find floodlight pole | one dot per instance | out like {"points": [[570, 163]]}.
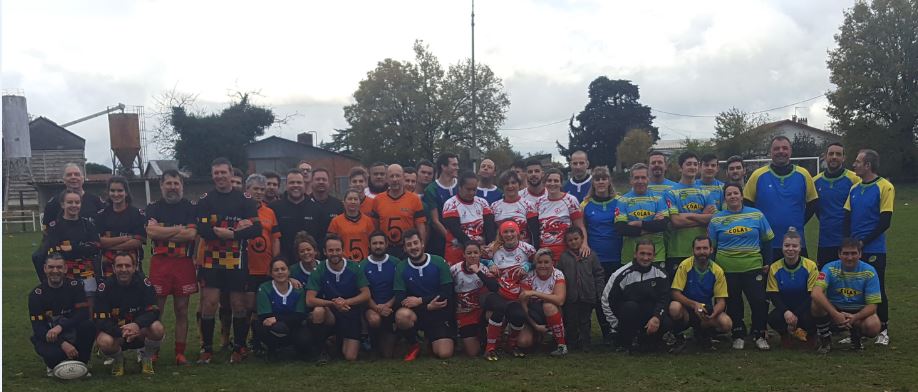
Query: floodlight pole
{"points": [[474, 109]]}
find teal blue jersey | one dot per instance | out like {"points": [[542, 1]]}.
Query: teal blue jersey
{"points": [[833, 192], [632, 207], [850, 289], [715, 192], [866, 202], [738, 236], [685, 199]]}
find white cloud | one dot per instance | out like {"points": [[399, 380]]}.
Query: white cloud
{"points": [[76, 57]]}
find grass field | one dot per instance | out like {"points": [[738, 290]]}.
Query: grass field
{"points": [[892, 368]]}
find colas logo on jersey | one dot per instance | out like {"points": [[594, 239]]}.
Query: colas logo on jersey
{"points": [[693, 206], [848, 292], [739, 230], [642, 213]]}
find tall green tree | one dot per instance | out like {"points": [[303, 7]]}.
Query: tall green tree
{"points": [[734, 135], [875, 71], [633, 148], [406, 111], [202, 137], [613, 110]]}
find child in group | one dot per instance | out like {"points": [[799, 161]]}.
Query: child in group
{"points": [[585, 280]]}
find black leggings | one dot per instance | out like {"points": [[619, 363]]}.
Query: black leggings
{"points": [[502, 308], [804, 319], [752, 284], [298, 334], [878, 261], [52, 354]]}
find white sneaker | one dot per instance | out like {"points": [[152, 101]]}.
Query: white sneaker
{"points": [[883, 338], [108, 361], [762, 344], [738, 344], [846, 340], [49, 372]]}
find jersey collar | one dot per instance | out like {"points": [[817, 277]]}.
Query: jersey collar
{"points": [[421, 267], [283, 296], [380, 263]]}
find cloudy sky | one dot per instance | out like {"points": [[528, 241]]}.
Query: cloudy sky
{"points": [[73, 57]]}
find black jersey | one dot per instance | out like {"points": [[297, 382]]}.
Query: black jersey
{"points": [[127, 223], [117, 305], [320, 215], [52, 306], [78, 243], [89, 208], [291, 219], [226, 210], [181, 213]]}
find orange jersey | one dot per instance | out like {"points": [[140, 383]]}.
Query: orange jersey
{"points": [[261, 248], [366, 207], [354, 234], [397, 215]]}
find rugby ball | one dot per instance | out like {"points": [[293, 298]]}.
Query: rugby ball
{"points": [[69, 370]]}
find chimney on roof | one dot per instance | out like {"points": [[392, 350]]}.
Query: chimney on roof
{"points": [[305, 138], [798, 120]]}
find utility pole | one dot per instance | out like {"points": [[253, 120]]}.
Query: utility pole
{"points": [[474, 106]]}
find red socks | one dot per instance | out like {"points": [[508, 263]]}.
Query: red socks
{"points": [[179, 348], [556, 326], [494, 331]]}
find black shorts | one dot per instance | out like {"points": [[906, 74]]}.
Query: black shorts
{"points": [[348, 324], [471, 331], [224, 279], [537, 313], [136, 344], [254, 281], [436, 324]]}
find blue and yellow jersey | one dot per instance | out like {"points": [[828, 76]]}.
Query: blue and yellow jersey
{"points": [[685, 199], [738, 237], [793, 284], [866, 202], [632, 207], [700, 286], [715, 192], [850, 290], [833, 192], [782, 199], [330, 284], [660, 187], [599, 219]]}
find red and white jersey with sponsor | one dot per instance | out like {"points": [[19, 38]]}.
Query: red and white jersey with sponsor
{"points": [[471, 215], [531, 198], [516, 257], [468, 287], [555, 216], [509, 280], [518, 212], [533, 282]]}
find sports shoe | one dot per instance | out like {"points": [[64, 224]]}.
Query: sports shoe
{"points": [[323, 358], [762, 344], [883, 338], [118, 367], [560, 351], [491, 355], [678, 345], [518, 353], [180, 360], [857, 345], [205, 358], [825, 345], [846, 340], [108, 361], [147, 366], [739, 344], [413, 352], [49, 372], [365, 344]]}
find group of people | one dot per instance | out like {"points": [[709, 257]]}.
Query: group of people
{"points": [[467, 259]]}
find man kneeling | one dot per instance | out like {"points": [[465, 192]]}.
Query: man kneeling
{"points": [[699, 292], [846, 294], [61, 329], [127, 316]]}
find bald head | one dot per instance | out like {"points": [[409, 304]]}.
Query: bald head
{"points": [[579, 165], [487, 169], [395, 176]]}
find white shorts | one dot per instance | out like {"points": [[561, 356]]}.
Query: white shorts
{"points": [[89, 286]]}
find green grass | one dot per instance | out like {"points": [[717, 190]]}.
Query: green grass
{"points": [[891, 368]]}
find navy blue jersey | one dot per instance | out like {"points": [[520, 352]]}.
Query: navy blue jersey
{"points": [[381, 277]]}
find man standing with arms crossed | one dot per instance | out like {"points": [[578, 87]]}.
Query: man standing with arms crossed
{"points": [[833, 186], [869, 210], [227, 220]]}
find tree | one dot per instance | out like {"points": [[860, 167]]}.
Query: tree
{"points": [[406, 111], [699, 147], [734, 135], [612, 111], [97, 168], [804, 145], [875, 71], [202, 137], [633, 148]]}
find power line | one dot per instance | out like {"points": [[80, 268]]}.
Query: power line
{"points": [[755, 112], [533, 127]]}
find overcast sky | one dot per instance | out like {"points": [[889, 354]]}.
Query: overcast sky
{"points": [[73, 58]]}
